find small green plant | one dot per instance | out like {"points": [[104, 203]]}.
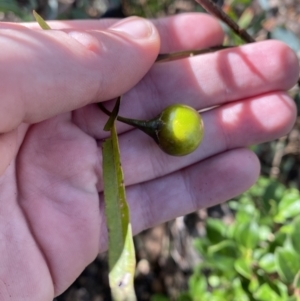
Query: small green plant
{"points": [[257, 255]]}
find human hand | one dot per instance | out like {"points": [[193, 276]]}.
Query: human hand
{"points": [[51, 217]]}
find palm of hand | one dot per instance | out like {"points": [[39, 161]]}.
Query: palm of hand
{"points": [[52, 209]]}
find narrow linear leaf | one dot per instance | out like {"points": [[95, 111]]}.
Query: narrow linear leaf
{"points": [[114, 114], [41, 21], [246, 18], [121, 248]]}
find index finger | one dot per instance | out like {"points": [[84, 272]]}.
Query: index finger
{"points": [[45, 73], [181, 32]]}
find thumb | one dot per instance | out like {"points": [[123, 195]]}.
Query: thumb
{"points": [[45, 73]]}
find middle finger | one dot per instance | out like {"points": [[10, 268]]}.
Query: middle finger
{"points": [[239, 124], [202, 81]]}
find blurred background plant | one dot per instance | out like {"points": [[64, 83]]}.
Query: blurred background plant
{"points": [[245, 249], [253, 253]]}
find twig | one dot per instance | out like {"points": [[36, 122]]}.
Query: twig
{"points": [[279, 153], [166, 57], [213, 9]]}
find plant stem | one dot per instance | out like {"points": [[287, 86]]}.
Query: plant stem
{"points": [[150, 127], [213, 9], [165, 57], [108, 113]]}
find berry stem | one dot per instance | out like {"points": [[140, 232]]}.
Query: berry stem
{"points": [[150, 127]]}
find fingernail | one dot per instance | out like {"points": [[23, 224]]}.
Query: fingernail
{"points": [[134, 27]]}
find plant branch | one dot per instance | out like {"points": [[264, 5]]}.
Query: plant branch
{"points": [[147, 126], [213, 9], [108, 113], [166, 57]]}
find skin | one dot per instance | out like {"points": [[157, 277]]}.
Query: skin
{"points": [[51, 215]]}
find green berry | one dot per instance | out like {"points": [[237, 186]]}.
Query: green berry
{"points": [[181, 130], [178, 129]]}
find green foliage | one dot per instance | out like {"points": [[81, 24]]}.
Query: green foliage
{"points": [[148, 8], [41, 21], [22, 10], [243, 13], [256, 257], [10, 6], [121, 252]]}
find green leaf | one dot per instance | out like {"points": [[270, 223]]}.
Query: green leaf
{"points": [[296, 281], [221, 263], [242, 216], [159, 297], [264, 232], [10, 6], [239, 292], [215, 230], [289, 206], [266, 293], [41, 21], [243, 267], [254, 284], [121, 248], [197, 284], [267, 263], [295, 235], [247, 234], [114, 114], [184, 297], [226, 247], [271, 196], [288, 264], [246, 18], [201, 245], [277, 241], [292, 298]]}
